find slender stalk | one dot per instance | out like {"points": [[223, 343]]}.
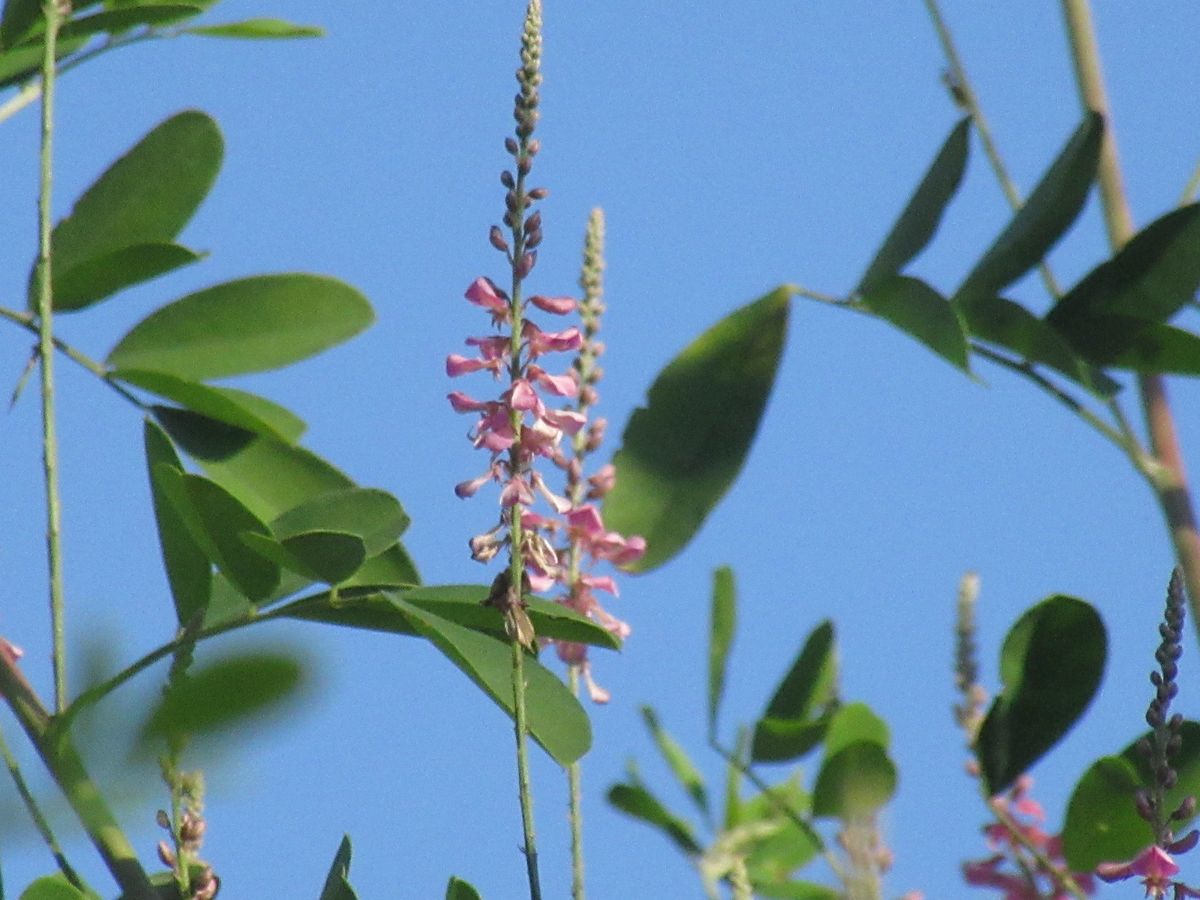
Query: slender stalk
{"points": [[1064, 878], [39, 819], [1169, 479], [575, 807], [46, 347]]}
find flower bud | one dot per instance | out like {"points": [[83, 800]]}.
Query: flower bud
{"points": [[525, 266], [511, 146], [539, 193], [506, 179], [496, 237]]}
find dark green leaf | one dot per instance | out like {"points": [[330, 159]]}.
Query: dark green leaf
{"points": [[677, 760], [1050, 665], [556, 720], [854, 723], [337, 882], [1010, 325], [228, 405], [921, 312], [52, 887], [1150, 279], [225, 519], [681, 452], [189, 571], [1102, 823], [774, 858], [1054, 204], [375, 516], [249, 325], [145, 197], [794, 720], [220, 694], [782, 740], [638, 802], [116, 20], [102, 276], [917, 224], [257, 29], [856, 780], [19, 18], [391, 568], [21, 63], [330, 557], [721, 630], [457, 889], [1161, 349]]}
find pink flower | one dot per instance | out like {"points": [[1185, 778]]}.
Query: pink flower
{"points": [[563, 385], [1155, 867], [543, 342], [483, 292], [558, 306]]}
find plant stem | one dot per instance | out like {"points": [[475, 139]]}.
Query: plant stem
{"points": [[575, 806], [1064, 878], [39, 819], [1169, 479], [46, 347]]}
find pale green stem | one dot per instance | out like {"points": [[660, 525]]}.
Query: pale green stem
{"points": [[46, 348], [1169, 478], [575, 807], [39, 819]]}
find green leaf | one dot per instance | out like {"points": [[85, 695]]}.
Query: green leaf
{"points": [[218, 695], [21, 63], [102, 276], [1010, 325], [457, 889], [330, 557], [921, 312], [1161, 349], [1102, 824], [797, 890], [337, 882], [774, 858], [249, 325], [677, 760], [636, 801], [257, 29], [1050, 666], [117, 20], [18, 20], [52, 887], [856, 780], [391, 568], [793, 722], [852, 724], [228, 405], [145, 197], [917, 224], [1149, 280], [225, 520], [723, 625], [375, 516], [189, 571], [556, 720], [1037, 226], [681, 452]]}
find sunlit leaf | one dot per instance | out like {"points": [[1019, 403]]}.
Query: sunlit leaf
{"points": [[857, 779], [1036, 227], [375, 516], [681, 452], [21, 63], [638, 802], [248, 325], [854, 723], [917, 224], [257, 29], [922, 313], [102, 276], [53, 887], [117, 20], [337, 882], [796, 890], [1050, 666], [721, 629]]}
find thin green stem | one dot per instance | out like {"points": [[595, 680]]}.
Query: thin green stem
{"points": [[1065, 880], [575, 806], [39, 819], [46, 347], [1169, 478]]}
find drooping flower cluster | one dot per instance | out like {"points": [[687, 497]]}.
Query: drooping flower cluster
{"points": [[1155, 865], [522, 425]]}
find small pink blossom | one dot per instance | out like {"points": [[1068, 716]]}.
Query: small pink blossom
{"points": [[543, 342], [483, 292], [1155, 867], [522, 396], [563, 385], [558, 306], [565, 420], [463, 403], [457, 364]]}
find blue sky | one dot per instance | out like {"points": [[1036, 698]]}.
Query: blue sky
{"points": [[731, 151]]}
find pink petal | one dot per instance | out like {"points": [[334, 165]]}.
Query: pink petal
{"points": [[463, 403], [586, 519], [567, 420], [460, 365], [563, 385], [559, 306], [522, 396], [483, 292]]}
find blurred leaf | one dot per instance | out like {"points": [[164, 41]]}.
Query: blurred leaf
{"points": [[723, 625], [145, 197], [774, 858], [793, 723], [228, 405], [852, 724], [117, 20], [457, 889], [782, 740], [921, 312], [329, 557], [257, 29], [225, 519], [375, 516], [1050, 666], [21, 63], [1149, 279], [917, 224], [677, 760], [189, 571], [104, 275], [681, 452], [1102, 824], [857, 779], [1010, 325], [638, 802], [218, 695], [1037, 226], [248, 325], [556, 720], [53, 887], [18, 20], [797, 890], [1161, 349], [337, 882], [227, 604]]}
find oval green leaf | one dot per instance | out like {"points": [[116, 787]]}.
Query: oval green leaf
{"points": [[1163, 350], [680, 453], [102, 276], [856, 780], [919, 221], [854, 723], [329, 557], [922, 313], [225, 519], [457, 889], [375, 516], [638, 802], [53, 887], [257, 29], [249, 325], [1051, 665]]}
